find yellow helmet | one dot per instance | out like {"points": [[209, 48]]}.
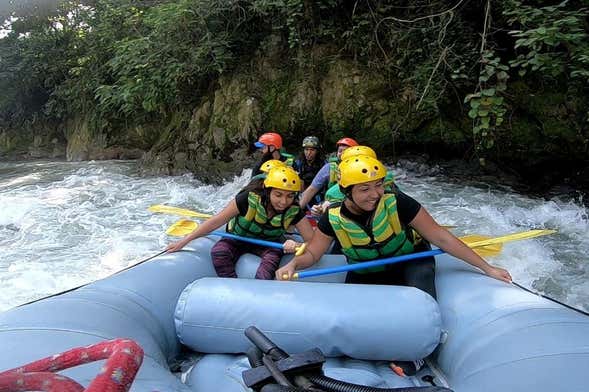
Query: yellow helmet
{"points": [[271, 164], [284, 178], [358, 150], [360, 169]]}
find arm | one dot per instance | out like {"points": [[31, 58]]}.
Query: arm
{"points": [[307, 195], [429, 229], [321, 178], [207, 226], [305, 230], [315, 249]]}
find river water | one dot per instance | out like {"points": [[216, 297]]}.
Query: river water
{"points": [[65, 224]]}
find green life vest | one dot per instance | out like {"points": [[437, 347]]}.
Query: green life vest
{"points": [[333, 171], [385, 238], [256, 224], [289, 158]]}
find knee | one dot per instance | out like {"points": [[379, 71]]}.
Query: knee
{"points": [[221, 254]]}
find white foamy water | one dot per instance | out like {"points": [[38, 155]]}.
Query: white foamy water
{"points": [[66, 224]]}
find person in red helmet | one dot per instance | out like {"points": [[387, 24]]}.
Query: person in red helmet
{"points": [[270, 145], [327, 175]]}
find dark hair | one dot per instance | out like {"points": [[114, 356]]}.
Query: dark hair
{"points": [[256, 185]]}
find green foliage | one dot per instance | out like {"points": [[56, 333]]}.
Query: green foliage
{"points": [[552, 41], [126, 62], [487, 105], [35, 58]]}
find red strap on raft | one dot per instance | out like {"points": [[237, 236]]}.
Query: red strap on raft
{"points": [[124, 357]]}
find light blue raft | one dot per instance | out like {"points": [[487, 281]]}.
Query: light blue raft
{"points": [[481, 335]]}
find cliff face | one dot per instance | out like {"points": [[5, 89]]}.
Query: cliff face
{"points": [[325, 95]]}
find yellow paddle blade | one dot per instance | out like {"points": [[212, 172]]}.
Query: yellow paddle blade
{"points": [[182, 227], [523, 235], [484, 251], [177, 211]]}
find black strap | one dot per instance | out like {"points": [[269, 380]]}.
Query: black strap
{"points": [[551, 299]]}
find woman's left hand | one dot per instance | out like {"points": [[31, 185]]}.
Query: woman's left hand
{"points": [[290, 246], [499, 273]]}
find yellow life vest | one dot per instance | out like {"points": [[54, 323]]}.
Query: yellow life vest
{"points": [[255, 222], [384, 238]]}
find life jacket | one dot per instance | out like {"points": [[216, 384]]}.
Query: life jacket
{"points": [[255, 222], [333, 171], [287, 158], [307, 172], [385, 237]]}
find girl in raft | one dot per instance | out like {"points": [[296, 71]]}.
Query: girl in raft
{"points": [[372, 224], [264, 213]]}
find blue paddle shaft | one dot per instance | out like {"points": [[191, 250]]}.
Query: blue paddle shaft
{"points": [[269, 244], [368, 264]]}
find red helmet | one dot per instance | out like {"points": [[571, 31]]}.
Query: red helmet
{"points": [[347, 141], [269, 139]]}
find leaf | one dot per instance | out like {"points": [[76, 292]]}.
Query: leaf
{"points": [[502, 75], [471, 96], [497, 100], [489, 92], [486, 101], [473, 113]]}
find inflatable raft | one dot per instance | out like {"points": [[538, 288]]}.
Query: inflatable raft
{"points": [[480, 335]]}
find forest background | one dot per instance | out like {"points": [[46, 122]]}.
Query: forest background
{"points": [[188, 85]]}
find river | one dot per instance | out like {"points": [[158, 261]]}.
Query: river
{"points": [[64, 224]]}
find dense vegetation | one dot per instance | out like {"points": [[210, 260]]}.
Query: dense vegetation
{"points": [[123, 63]]}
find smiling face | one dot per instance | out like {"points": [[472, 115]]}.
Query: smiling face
{"points": [[367, 195], [281, 199]]}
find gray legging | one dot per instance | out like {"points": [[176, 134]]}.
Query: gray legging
{"points": [[227, 251]]}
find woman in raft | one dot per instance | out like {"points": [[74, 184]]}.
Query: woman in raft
{"points": [[264, 213], [371, 224]]}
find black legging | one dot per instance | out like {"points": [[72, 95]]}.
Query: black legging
{"points": [[418, 273]]}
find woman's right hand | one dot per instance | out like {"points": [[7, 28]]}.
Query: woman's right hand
{"points": [[286, 272], [176, 246], [319, 209]]}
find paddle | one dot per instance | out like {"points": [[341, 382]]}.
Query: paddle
{"points": [[185, 212], [177, 211], [184, 226], [397, 259]]}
